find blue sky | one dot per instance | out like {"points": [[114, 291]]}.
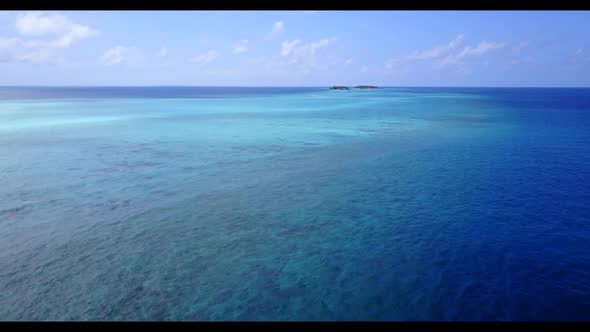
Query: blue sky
{"points": [[296, 48]]}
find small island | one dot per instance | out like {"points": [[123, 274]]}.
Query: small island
{"points": [[366, 87], [362, 87]]}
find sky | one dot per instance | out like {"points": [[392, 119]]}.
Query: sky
{"points": [[295, 48]]}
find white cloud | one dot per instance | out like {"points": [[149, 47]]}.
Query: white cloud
{"points": [[58, 31], [304, 54], [469, 51], [348, 62], [241, 47], [321, 44], [205, 58], [277, 28], [288, 46], [437, 51], [131, 56], [65, 31], [113, 56], [163, 52], [38, 24], [450, 53], [481, 49], [296, 49]]}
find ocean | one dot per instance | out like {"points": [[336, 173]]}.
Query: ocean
{"points": [[196, 203]]}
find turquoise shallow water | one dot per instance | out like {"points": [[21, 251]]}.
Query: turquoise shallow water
{"points": [[294, 204]]}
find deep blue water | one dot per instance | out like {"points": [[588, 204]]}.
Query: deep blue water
{"points": [[183, 203]]}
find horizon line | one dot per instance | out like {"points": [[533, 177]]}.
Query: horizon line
{"points": [[288, 86]]}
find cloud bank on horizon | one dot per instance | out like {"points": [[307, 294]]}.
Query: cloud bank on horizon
{"points": [[288, 48]]}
